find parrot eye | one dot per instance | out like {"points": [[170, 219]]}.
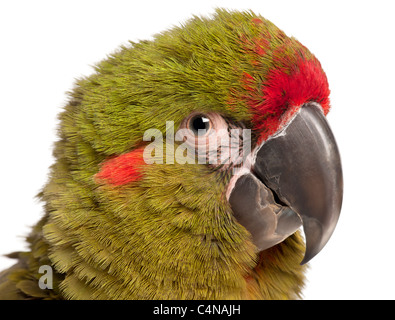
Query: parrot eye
{"points": [[214, 139], [199, 124]]}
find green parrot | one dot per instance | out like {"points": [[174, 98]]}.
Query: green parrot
{"points": [[143, 202]]}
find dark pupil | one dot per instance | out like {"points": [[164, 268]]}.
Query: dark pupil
{"points": [[200, 123]]}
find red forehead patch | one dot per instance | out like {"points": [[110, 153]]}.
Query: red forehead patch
{"points": [[283, 91]]}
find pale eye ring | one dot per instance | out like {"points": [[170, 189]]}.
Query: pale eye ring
{"points": [[199, 124]]}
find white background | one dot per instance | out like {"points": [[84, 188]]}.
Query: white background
{"points": [[45, 45]]}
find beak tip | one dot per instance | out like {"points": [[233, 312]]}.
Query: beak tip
{"points": [[305, 260], [308, 256], [317, 235]]}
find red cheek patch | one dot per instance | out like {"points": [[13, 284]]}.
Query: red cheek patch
{"points": [[122, 169]]}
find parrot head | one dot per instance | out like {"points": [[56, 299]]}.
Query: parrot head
{"points": [[144, 201]]}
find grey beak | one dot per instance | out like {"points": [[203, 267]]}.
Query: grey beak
{"points": [[300, 169]]}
